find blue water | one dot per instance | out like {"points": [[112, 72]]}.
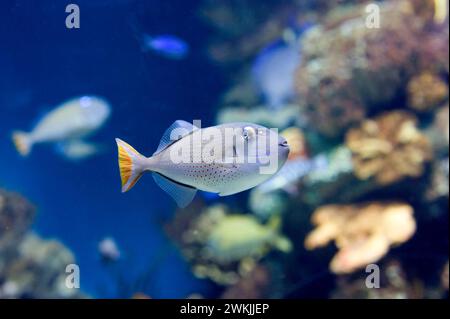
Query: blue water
{"points": [[42, 63]]}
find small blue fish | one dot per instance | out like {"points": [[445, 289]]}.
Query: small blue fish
{"points": [[168, 46]]}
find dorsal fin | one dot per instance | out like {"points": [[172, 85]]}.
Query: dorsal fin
{"points": [[182, 194], [180, 129]]}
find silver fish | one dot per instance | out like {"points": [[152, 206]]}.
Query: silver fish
{"points": [[209, 161], [75, 119], [77, 150]]}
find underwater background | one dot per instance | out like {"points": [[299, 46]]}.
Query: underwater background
{"points": [[363, 104]]}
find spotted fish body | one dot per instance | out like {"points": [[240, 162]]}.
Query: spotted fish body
{"points": [[218, 174]]}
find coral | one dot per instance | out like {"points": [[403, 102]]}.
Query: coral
{"points": [[363, 233], [439, 180], [254, 286], [265, 205], [282, 118], [389, 148], [339, 163], [393, 284], [16, 216], [243, 28], [438, 131], [335, 179], [30, 267], [444, 276], [348, 69], [38, 271], [426, 91]]}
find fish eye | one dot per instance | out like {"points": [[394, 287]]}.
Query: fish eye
{"points": [[248, 132]]}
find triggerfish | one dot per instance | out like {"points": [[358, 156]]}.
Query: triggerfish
{"points": [[66, 125], [225, 159]]}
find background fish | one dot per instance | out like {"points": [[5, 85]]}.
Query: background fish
{"points": [[182, 180], [72, 120], [273, 73], [168, 46], [76, 150]]}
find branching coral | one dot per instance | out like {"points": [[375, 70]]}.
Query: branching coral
{"points": [[426, 91], [362, 233], [389, 148]]}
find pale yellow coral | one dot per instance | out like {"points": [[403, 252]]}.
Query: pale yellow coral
{"points": [[426, 91], [389, 148], [363, 233]]}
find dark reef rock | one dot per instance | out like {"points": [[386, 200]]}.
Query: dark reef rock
{"points": [[30, 267]]}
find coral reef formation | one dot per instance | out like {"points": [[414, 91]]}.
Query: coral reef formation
{"points": [[349, 69], [254, 286], [363, 233], [369, 115], [392, 284], [389, 148], [30, 267], [426, 91]]}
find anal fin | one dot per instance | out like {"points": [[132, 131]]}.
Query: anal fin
{"points": [[182, 194]]}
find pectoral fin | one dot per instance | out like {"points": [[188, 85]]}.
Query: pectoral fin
{"points": [[182, 194], [175, 132]]}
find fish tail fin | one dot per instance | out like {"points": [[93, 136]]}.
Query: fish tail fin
{"points": [[280, 242], [131, 165], [22, 142]]}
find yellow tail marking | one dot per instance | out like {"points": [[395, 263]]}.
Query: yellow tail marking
{"points": [[125, 165], [128, 172], [21, 143]]}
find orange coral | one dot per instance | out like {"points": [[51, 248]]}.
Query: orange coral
{"points": [[297, 142], [363, 233], [426, 91], [389, 148]]}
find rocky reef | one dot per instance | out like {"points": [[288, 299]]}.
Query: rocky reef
{"points": [[350, 70], [30, 266], [368, 180]]}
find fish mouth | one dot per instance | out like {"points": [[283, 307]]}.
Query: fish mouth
{"points": [[283, 144]]}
